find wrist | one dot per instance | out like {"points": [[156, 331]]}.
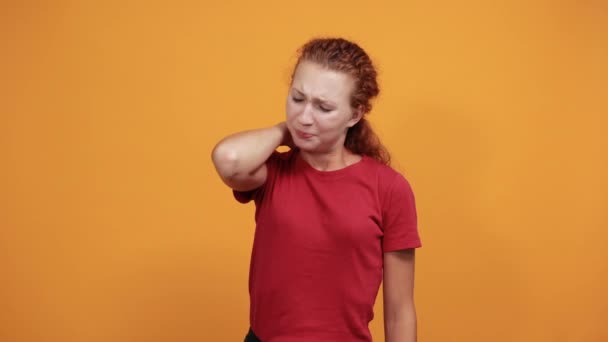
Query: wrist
{"points": [[285, 135]]}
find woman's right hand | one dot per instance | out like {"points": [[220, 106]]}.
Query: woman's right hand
{"points": [[287, 139]]}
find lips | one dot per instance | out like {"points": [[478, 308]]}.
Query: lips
{"points": [[303, 135]]}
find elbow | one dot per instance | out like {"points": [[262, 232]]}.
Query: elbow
{"points": [[225, 160], [400, 325], [400, 313]]}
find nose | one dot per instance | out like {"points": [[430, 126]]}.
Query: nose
{"points": [[305, 117]]}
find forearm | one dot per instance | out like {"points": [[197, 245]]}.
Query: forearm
{"points": [[244, 152], [400, 326]]}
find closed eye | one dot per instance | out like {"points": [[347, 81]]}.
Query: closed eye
{"points": [[296, 99], [326, 110]]}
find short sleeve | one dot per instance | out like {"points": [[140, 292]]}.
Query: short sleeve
{"points": [[256, 194], [400, 224], [244, 196]]}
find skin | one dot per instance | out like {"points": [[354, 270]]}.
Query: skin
{"points": [[318, 116], [398, 288]]}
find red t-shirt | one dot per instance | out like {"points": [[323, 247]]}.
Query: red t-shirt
{"points": [[317, 258]]}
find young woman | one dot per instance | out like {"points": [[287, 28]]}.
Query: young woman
{"points": [[333, 219]]}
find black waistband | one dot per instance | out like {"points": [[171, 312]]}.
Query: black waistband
{"points": [[251, 337]]}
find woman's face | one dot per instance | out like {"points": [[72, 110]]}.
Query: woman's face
{"points": [[318, 108]]}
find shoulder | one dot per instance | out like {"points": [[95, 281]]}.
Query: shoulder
{"points": [[386, 173], [280, 162], [278, 157], [389, 180]]}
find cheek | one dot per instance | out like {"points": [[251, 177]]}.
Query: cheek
{"points": [[331, 122]]}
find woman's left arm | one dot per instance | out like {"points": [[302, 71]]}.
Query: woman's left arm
{"points": [[399, 309]]}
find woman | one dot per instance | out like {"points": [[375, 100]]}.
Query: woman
{"points": [[333, 219]]}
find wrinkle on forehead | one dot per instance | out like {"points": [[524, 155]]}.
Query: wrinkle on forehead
{"points": [[317, 81]]}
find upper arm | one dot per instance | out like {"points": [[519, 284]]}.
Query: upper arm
{"points": [[247, 181], [398, 284], [227, 168], [399, 217]]}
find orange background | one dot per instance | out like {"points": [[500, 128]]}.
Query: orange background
{"points": [[114, 226]]}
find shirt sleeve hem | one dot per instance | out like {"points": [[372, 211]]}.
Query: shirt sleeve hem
{"points": [[400, 246]]}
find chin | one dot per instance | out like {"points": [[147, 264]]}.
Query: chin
{"points": [[306, 146]]}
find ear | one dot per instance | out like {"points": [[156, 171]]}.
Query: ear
{"points": [[357, 115]]}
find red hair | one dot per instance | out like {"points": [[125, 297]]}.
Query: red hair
{"points": [[341, 55]]}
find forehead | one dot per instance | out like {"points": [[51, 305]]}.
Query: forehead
{"points": [[315, 80]]}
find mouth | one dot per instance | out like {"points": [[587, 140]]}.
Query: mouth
{"points": [[303, 135]]}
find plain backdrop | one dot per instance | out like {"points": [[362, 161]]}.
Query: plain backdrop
{"points": [[115, 227]]}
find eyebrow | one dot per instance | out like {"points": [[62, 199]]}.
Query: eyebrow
{"points": [[317, 99]]}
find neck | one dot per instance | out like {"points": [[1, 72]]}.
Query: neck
{"points": [[332, 160]]}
